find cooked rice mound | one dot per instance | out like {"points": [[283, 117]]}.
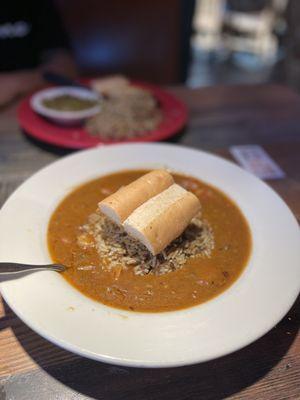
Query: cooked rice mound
{"points": [[117, 249], [125, 113]]}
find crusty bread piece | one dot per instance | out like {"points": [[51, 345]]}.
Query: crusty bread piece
{"points": [[122, 203], [163, 218], [110, 84]]}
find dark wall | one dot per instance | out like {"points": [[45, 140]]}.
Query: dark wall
{"points": [[143, 39]]}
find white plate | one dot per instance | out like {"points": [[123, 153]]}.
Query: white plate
{"points": [[54, 309], [64, 117]]}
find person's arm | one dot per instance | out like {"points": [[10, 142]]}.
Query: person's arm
{"points": [[54, 52], [18, 83], [13, 84]]}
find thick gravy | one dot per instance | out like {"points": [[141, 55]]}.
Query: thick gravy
{"points": [[198, 281]]}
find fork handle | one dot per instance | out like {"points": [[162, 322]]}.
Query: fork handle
{"points": [[14, 268]]}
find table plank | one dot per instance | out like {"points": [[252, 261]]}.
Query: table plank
{"points": [[268, 369], [221, 116], [287, 155]]}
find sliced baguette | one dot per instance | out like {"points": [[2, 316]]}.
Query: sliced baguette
{"points": [[163, 218], [110, 84], [122, 203]]}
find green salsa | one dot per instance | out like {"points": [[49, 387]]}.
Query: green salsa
{"points": [[66, 102]]}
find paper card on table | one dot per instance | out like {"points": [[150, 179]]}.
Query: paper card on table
{"points": [[256, 160]]}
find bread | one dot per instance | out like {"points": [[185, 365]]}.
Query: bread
{"points": [[110, 84], [160, 220], [122, 203]]}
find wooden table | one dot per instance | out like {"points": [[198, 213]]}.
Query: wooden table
{"points": [[32, 368]]}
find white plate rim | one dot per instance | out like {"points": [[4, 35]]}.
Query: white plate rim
{"points": [[163, 363]]}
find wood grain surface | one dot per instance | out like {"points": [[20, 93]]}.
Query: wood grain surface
{"points": [[269, 369]]}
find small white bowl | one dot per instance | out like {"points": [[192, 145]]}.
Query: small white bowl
{"points": [[64, 117]]}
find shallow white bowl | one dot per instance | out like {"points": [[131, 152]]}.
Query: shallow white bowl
{"points": [[54, 309], [64, 117]]}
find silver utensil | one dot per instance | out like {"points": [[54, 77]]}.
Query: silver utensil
{"points": [[15, 268]]}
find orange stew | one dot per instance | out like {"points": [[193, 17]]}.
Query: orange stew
{"points": [[198, 281]]}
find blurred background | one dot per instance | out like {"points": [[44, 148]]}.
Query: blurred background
{"points": [[200, 43], [193, 42]]}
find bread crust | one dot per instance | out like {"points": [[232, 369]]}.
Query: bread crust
{"points": [[124, 201], [160, 220]]}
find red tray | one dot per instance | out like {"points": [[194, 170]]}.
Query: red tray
{"points": [[174, 118]]}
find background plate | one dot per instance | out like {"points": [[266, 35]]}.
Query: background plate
{"points": [[174, 118]]}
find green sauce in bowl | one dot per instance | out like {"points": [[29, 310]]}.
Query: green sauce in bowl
{"points": [[67, 102]]}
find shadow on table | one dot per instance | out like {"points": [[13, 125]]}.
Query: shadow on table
{"points": [[60, 151], [49, 148], [212, 380]]}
